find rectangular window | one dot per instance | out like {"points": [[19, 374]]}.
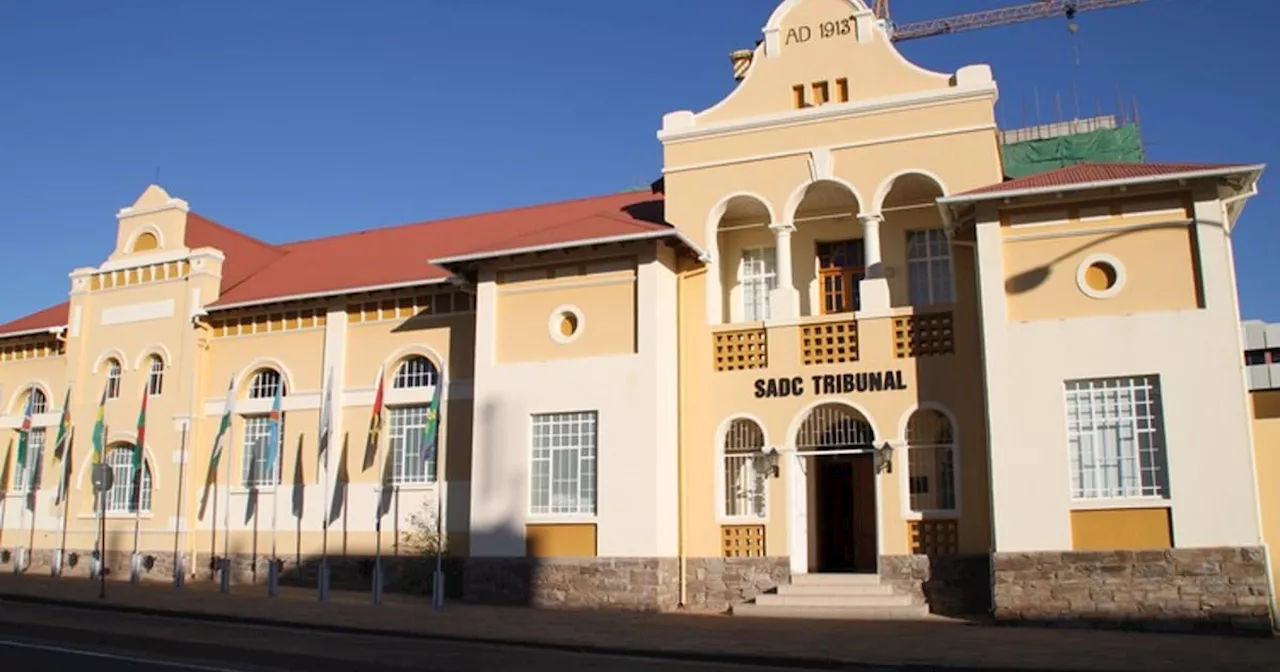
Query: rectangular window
{"points": [[564, 463], [406, 424], [929, 267], [1115, 434], [841, 266], [821, 93], [758, 274], [23, 480], [842, 90], [256, 469]]}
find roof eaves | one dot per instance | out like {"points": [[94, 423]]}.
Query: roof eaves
{"points": [[585, 242], [994, 194], [326, 294], [32, 332]]}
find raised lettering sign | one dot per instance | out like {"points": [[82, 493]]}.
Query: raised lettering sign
{"points": [[829, 384], [824, 31]]}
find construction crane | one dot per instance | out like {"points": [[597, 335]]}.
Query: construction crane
{"points": [[991, 17]]}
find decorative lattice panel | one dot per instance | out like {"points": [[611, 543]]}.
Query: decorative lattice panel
{"points": [[740, 350], [742, 541], [923, 335], [934, 537], [829, 343]]}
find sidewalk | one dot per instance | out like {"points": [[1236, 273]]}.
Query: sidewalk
{"points": [[936, 643]]}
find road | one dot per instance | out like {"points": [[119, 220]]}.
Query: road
{"points": [[39, 637]]}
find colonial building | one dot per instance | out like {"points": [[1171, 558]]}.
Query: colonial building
{"points": [[833, 362]]}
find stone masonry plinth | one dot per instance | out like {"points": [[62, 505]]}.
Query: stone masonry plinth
{"points": [[1180, 589]]}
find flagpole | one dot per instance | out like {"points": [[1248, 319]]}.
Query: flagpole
{"points": [[135, 573], [63, 498], [437, 586], [179, 545], [25, 461], [273, 578], [326, 423], [100, 532], [225, 577]]}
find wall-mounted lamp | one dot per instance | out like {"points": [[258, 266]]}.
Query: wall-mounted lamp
{"points": [[149, 562], [884, 459], [768, 461], [73, 559]]}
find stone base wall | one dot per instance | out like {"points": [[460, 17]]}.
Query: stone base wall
{"points": [[639, 584], [951, 586], [1191, 589], [716, 584]]}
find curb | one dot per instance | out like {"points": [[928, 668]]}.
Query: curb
{"points": [[787, 662]]}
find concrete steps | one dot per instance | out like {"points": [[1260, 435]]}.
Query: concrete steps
{"points": [[834, 596]]}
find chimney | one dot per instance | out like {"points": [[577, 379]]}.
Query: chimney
{"points": [[741, 63]]}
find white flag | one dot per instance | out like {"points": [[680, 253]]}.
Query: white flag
{"points": [[326, 420]]}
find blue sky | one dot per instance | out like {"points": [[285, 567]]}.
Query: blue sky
{"points": [[292, 119]]}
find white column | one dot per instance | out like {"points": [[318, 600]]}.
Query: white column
{"points": [[784, 300], [874, 289]]}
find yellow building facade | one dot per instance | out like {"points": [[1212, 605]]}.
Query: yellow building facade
{"points": [[834, 361]]}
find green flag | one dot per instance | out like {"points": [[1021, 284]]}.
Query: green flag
{"points": [[224, 427], [142, 431], [64, 426], [100, 428], [24, 437]]}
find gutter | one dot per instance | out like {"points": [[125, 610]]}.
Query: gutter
{"points": [[322, 295], [553, 247], [1083, 186]]}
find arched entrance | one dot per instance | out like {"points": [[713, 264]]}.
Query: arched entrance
{"points": [[837, 444]]}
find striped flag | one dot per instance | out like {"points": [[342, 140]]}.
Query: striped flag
{"points": [[142, 431], [62, 445], [100, 427], [273, 434], [24, 438], [431, 428], [375, 421], [224, 427], [326, 419]]}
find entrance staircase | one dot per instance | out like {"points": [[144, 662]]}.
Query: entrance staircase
{"points": [[834, 596]]}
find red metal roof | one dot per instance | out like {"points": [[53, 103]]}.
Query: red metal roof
{"points": [[1085, 173], [255, 271]]}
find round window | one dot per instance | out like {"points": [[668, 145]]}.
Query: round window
{"points": [[1100, 276], [565, 324], [568, 324]]}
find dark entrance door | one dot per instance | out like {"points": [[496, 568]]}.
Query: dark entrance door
{"points": [[846, 508]]}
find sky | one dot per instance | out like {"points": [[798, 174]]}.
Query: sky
{"points": [[293, 119]]}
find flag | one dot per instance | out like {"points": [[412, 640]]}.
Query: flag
{"points": [[142, 433], [273, 434], [100, 427], [326, 421], [375, 422], [431, 428], [24, 436], [64, 427], [224, 427]]}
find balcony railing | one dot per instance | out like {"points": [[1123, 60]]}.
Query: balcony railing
{"points": [[923, 335], [829, 342], [741, 349]]}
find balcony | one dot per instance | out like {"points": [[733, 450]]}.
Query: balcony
{"points": [[835, 339]]}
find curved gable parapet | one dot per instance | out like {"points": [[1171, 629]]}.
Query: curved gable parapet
{"points": [[824, 58]]}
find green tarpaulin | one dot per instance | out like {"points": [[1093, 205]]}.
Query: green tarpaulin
{"points": [[1103, 146]]}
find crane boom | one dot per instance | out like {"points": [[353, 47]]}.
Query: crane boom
{"points": [[1000, 17]]}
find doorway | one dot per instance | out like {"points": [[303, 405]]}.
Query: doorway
{"points": [[845, 499]]}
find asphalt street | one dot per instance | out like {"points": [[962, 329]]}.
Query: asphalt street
{"points": [[38, 637]]}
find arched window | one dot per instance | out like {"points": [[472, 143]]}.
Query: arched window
{"points": [[39, 402], [415, 372], [265, 383], [155, 376], [407, 422], [145, 242], [114, 371], [744, 473], [931, 461], [27, 475], [123, 497]]}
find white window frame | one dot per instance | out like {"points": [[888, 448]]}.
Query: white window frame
{"points": [[255, 432], [40, 404], [917, 263], [155, 376], [405, 423], [115, 371], [35, 459], [583, 449], [1137, 410], [415, 372], [120, 458], [752, 458], [907, 446], [767, 258], [262, 385]]}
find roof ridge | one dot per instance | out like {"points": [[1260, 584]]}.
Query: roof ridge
{"points": [[456, 218], [236, 232]]}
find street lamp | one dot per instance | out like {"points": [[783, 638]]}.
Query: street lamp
{"points": [[768, 460], [884, 458]]}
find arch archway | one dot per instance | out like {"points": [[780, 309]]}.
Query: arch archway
{"points": [[836, 443], [743, 252]]}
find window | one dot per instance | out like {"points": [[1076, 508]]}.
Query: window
{"points": [[931, 461], [123, 495], [257, 470], [264, 384], [1260, 357], [155, 377], [415, 372], [744, 477], [841, 266], [929, 267], [39, 402], [28, 475], [758, 275], [1116, 437], [564, 463], [113, 379], [405, 439]]}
